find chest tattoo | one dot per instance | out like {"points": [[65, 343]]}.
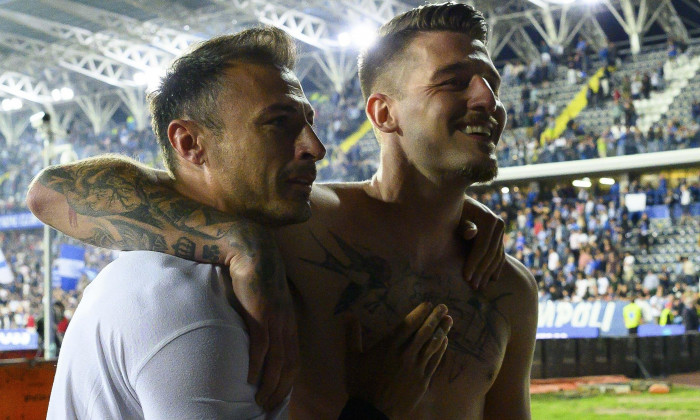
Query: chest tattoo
{"points": [[381, 293]]}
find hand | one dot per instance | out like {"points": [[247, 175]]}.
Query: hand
{"points": [[260, 286], [394, 374], [487, 252]]}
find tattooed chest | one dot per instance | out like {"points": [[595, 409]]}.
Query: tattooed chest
{"points": [[380, 293]]}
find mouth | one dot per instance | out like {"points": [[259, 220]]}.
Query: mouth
{"points": [[477, 130], [302, 181]]}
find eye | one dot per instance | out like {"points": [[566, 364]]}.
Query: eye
{"points": [[456, 83], [280, 121]]}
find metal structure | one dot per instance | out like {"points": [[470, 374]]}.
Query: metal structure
{"points": [[106, 52]]}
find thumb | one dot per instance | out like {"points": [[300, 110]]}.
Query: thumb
{"points": [[467, 230]]}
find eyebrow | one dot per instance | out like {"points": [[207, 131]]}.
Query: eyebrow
{"points": [[463, 67], [286, 108]]}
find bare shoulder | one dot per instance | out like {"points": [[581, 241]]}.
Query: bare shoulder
{"points": [[517, 281], [515, 275]]}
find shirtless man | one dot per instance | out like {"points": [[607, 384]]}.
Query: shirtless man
{"points": [[376, 249]]}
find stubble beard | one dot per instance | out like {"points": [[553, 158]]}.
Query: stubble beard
{"points": [[482, 171]]}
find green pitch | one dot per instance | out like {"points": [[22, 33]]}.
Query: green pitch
{"points": [[680, 404]]}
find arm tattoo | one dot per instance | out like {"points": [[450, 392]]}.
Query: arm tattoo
{"points": [[380, 296], [133, 211], [133, 237], [184, 248], [211, 253]]}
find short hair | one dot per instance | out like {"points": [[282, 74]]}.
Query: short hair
{"points": [[191, 86], [397, 34]]}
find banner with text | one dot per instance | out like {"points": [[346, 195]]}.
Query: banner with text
{"points": [[19, 221], [604, 315], [18, 339]]}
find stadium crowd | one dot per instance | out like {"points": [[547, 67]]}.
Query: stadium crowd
{"points": [[580, 244], [576, 143]]}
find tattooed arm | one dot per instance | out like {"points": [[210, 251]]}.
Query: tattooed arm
{"points": [[113, 202]]}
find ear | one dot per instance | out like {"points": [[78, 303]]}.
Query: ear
{"points": [[380, 111], [185, 138]]}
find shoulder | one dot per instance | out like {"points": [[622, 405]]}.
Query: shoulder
{"points": [[517, 278], [144, 285], [518, 283]]}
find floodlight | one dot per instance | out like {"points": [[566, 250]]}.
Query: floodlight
{"points": [[140, 77], [364, 35], [344, 39], [582, 183], [67, 93], [607, 181], [40, 119], [56, 94], [11, 104], [150, 78], [505, 190]]}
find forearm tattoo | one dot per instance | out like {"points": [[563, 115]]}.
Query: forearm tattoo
{"points": [[131, 211]]}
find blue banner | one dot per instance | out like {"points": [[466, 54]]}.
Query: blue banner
{"points": [[18, 339], [19, 221], [603, 315], [646, 330], [545, 333]]}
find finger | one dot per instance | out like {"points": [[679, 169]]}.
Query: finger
{"points": [[479, 250], [468, 229], [425, 333], [259, 342], [272, 368], [434, 361], [435, 342], [411, 323], [288, 374], [492, 253], [494, 270], [489, 272], [499, 271]]}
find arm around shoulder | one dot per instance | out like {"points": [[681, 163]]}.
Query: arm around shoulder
{"points": [[114, 202], [509, 396], [84, 198]]}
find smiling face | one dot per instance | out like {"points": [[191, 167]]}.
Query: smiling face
{"points": [[263, 162], [448, 110]]}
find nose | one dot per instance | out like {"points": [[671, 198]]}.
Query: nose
{"points": [[308, 146], [481, 95]]}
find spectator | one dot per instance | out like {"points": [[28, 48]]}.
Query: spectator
{"points": [[690, 314]]}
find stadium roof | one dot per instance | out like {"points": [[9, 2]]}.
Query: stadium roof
{"points": [[105, 52]]}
